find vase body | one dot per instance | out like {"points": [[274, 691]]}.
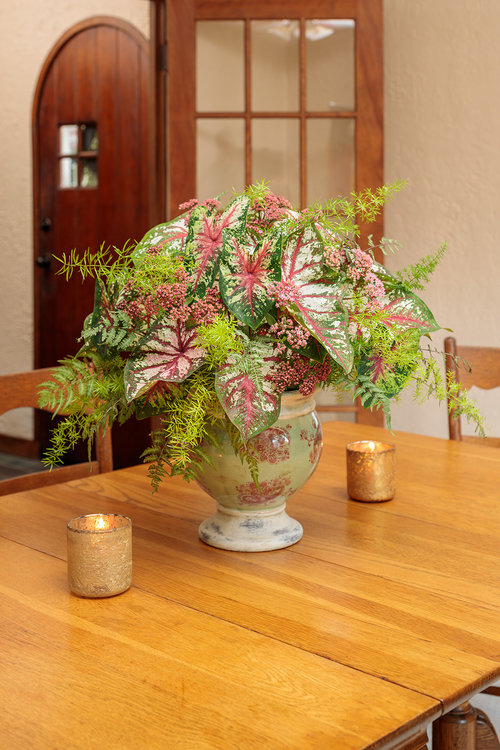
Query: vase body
{"points": [[251, 518]]}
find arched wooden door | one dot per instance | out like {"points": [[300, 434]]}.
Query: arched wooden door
{"points": [[91, 154]]}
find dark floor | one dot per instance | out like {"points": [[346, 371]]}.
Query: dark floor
{"points": [[14, 466]]}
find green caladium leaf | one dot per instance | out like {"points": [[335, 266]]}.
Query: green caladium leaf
{"points": [[170, 236], [204, 241], [406, 310], [245, 272], [168, 353], [316, 306], [246, 394]]}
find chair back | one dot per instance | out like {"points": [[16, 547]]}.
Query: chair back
{"points": [[481, 369], [22, 390]]}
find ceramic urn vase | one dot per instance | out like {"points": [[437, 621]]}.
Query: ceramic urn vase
{"points": [[251, 518]]}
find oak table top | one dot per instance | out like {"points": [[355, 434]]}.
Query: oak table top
{"points": [[382, 618]]}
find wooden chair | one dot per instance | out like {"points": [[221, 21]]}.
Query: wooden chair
{"points": [[21, 390], [484, 373]]}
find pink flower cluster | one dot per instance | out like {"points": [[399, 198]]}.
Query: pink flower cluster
{"points": [[283, 292], [265, 212], [288, 333], [193, 202], [335, 257], [302, 373], [167, 298], [358, 270], [205, 310]]}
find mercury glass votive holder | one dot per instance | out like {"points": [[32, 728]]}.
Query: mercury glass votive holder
{"points": [[371, 471], [99, 554]]}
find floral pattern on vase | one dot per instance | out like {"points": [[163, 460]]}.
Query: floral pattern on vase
{"points": [[251, 517]]}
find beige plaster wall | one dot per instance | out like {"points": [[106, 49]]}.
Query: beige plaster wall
{"points": [[28, 31], [442, 118]]}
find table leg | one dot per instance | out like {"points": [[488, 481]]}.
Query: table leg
{"points": [[464, 728]]}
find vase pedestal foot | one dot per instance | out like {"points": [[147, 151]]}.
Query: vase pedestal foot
{"points": [[250, 531]]}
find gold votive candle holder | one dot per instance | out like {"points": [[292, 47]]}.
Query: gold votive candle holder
{"points": [[99, 554], [371, 471]]}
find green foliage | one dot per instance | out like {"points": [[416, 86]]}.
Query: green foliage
{"points": [[155, 270], [177, 446], [417, 275], [342, 215], [244, 356], [430, 382], [90, 391], [110, 263], [219, 339]]}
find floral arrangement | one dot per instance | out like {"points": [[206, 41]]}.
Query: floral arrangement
{"points": [[210, 317]]}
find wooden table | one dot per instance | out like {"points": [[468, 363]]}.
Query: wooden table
{"points": [[383, 618]]}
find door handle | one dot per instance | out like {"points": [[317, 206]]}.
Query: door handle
{"points": [[44, 261], [45, 224]]}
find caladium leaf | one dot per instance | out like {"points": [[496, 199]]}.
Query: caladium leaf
{"points": [[245, 272], [247, 396], [171, 236], [405, 311], [318, 307], [205, 240], [168, 353]]}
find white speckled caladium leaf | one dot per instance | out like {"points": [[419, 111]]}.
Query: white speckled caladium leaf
{"points": [[405, 311], [171, 236], [244, 275], [247, 396], [316, 306], [169, 353], [205, 240]]}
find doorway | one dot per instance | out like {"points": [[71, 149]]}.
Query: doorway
{"points": [[91, 152]]}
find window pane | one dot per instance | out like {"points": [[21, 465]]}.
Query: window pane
{"points": [[220, 164], [220, 67], [89, 173], [68, 173], [330, 158], [330, 65], [68, 139], [275, 155], [275, 66], [89, 138]]}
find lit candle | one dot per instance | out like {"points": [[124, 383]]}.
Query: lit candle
{"points": [[370, 470], [99, 554]]}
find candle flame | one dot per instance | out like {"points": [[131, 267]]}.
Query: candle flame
{"points": [[371, 445], [100, 523]]}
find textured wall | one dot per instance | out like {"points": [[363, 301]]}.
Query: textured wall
{"points": [[442, 117], [29, 30]]}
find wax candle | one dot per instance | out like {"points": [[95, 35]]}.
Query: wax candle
{"points": [[99, 554], [370, 470]]}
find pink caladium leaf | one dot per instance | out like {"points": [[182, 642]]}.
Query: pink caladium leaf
{"points": [[316, 306], [245, 272], [406, 310], [170, 237], [246, 394], [168, 353], [204, 240]]}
